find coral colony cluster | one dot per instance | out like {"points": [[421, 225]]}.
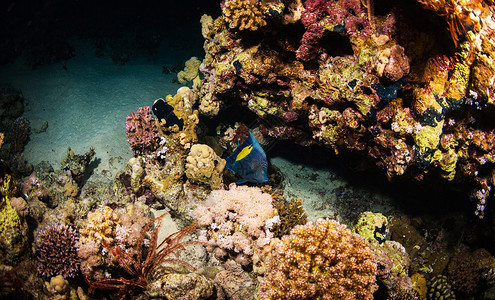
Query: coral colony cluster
{"points": [[414, 99]]}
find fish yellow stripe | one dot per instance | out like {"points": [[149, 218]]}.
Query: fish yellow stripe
{"points": [[244, 152]]}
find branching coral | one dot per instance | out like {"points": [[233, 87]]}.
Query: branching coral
{"points": [[141, 131], [56, 252], [236, 221], [322, 260]]}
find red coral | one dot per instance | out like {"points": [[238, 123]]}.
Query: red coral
{"points": [[141, 131]]}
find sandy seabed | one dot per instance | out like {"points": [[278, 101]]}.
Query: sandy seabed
{"points": [[85, 102]]}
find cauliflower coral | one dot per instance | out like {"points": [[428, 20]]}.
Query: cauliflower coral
{"points": [[324, 260]]}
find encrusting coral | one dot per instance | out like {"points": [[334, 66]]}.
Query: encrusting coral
{"points": [[321, 260], [205, 166], [56, 251], [236, 221]]}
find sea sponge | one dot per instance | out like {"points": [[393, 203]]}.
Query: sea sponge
{"points": [[236, 221], [243, 14], [322, 260], [204, 165], [56, 252]]}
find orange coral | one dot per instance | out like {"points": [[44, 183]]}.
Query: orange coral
{"points": [[324, 260], [243, 14]]}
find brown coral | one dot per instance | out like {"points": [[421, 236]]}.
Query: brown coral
{"points": [[324, 260]]}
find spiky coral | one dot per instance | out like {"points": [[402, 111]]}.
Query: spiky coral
{"points": [[323, 260], [56, 252]]}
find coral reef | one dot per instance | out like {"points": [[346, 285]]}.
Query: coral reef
{"points": [[322, 260], [144, 268], [181, 286], [331, 73], [105, 226], [56, 252], [236, 221], [141, 131], [203, 165]]}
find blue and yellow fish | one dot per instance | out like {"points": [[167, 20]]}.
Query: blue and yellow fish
{"points": [[249, 161]]}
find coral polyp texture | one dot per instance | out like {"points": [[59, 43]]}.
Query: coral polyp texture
{"points": [[331, 73], [141, 131], [56, 252], [321, 260], [236, 222]]}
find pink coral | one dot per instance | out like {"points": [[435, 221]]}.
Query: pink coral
{"points": [[236, 221], [141, 131]]}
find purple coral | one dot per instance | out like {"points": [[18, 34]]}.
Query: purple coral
{"points": [[56, 252], [141, 131]]}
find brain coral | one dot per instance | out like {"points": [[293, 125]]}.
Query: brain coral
{"points": [[322, 260]]}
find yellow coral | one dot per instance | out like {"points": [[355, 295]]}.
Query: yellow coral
{"points": [[204, 165], [182, 103], [243, 14], [1, 139], [419, 284], [100, 226], [190, 72]]}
